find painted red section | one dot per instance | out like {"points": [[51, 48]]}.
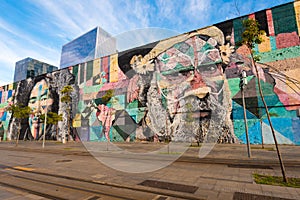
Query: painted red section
{"points": [[133, 89], [105, 67], [105, 115], [270, 22], [197, 81], [284, 40], [252, 16], [115, 85], [287, 99]]}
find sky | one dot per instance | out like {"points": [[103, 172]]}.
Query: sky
{"points": [[39, 28]]}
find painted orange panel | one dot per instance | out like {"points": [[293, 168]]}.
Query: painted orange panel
{"points": [[265, 46], [114, 68], [96, 68]]}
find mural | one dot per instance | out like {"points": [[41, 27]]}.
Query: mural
{"points": [[40, 94], [185, 88]]}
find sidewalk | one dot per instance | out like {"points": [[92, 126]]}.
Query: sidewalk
{"points": [[225, 173]]}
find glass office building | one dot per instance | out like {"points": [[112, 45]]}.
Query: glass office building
{"points": [[93, 44], [29, 68]]}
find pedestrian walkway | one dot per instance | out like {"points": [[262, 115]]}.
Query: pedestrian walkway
{"points": [[225, 173]]}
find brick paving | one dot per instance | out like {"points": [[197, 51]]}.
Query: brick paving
{"points": [[225, 173]]}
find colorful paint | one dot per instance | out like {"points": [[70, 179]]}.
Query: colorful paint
{"points": [[185, 88]]}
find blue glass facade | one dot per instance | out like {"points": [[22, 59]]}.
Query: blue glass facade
{"points": [[93, 44], [29, 68]]}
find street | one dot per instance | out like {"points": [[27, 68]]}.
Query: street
{"points": [[70, 172]]}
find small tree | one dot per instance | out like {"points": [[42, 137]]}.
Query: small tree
{"points": [[253, 35], [19, 112], [52, 118], [67, 99]]}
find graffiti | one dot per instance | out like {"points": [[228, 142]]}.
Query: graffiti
{"points": [[180, 87], [185, 88], [40, 94]]}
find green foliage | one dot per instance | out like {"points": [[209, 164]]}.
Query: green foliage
{"points": [[252, 34], [66, 92], [67, 89], [66, 99], [19, 111], [276, 180], [256, 58], [52, 118]]}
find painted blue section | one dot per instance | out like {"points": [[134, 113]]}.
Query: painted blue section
{"points": [[9, 94], [283, 126], [3, 118], [0, 96], [96, 134], [295, 129], [255, 48], [238, 112], [254, 132], [84, 133], [273, 42]]}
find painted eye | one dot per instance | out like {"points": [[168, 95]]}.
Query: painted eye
{"points": [[186, 73], [208, 69], [32, 101]]}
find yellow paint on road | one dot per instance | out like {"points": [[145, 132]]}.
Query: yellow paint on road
{"points": [[23, 168]]}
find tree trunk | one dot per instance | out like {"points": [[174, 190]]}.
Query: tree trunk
{"points": [[18, 135], [270, 122], [56, 129]]}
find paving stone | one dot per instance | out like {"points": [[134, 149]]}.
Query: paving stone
{"points": [[225, 196]]}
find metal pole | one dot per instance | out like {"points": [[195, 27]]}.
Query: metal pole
{"points": [[243, 83], [45, 122]]}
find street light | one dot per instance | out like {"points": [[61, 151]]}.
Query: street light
{"points": [[243, 83], [45, 120]]}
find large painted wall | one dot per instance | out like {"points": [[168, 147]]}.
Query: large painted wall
{"points": [[184, 88]]}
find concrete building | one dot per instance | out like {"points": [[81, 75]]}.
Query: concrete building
{"points": [[93, 44], [29, 68]]}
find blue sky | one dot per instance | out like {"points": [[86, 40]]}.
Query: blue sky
{"points": [[39, 28]]}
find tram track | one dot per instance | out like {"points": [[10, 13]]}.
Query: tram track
{"points": [[54, 186]]}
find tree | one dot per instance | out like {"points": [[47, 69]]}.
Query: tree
{"points": [[52, 118], [253, 35], [19, 112], [67, 99]]}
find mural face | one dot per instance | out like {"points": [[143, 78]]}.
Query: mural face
{"points": [[39, 101], [189, 93], [41, 94]]}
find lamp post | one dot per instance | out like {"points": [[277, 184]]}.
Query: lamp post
{"points": [[45, 121], [243, 83]]}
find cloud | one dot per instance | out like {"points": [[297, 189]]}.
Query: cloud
{"points": [[39, 29], [197, 8]]}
